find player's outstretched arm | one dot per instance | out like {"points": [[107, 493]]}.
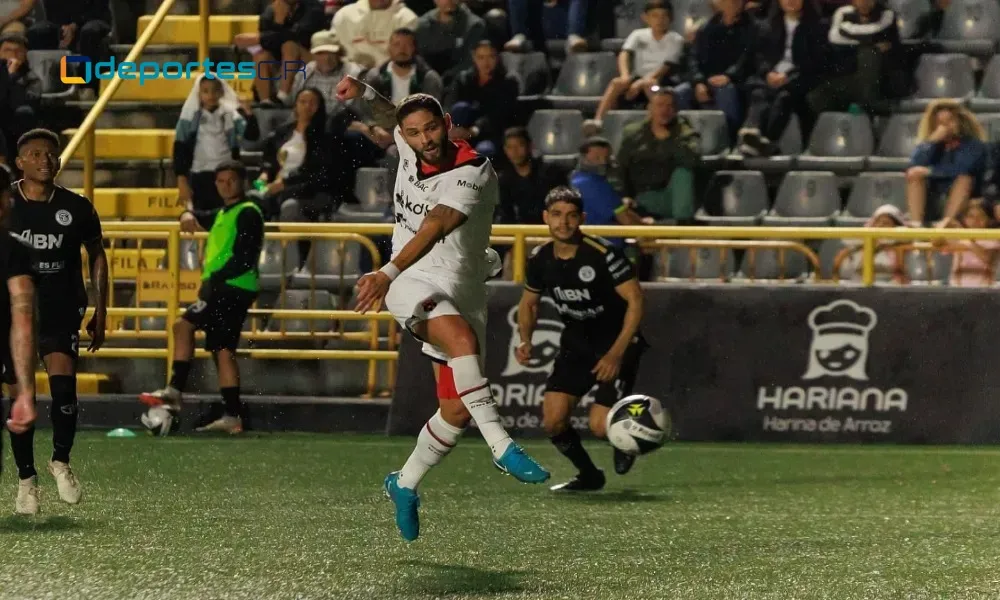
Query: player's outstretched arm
{"points": [[383, 110], [607, 368], [99, 279], [22, 351], [527, 317]]}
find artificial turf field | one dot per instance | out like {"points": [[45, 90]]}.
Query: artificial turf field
{"points": [[303, 516]]}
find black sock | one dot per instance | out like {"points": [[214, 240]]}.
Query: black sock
{"points": [[22, 446], [64, 415], [568, 443], [179, 377], [231, 397]]}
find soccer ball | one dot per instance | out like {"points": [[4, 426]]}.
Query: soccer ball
{"points": [[159, 421], [638, 424]]}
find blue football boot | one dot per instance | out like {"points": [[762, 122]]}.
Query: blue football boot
{"points": [[407, 502], [522, 467]]}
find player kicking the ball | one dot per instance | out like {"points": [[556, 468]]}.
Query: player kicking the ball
{"points": [[599, 299], [445, 195]]}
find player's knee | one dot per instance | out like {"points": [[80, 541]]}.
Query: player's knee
{"points": [[182, 326], [553, 426], [598, 427], [454, 412], [464, 342]]}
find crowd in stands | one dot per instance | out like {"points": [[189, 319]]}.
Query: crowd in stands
{"points": [[762, 64]]}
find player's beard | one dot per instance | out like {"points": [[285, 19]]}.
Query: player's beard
{"points": [[434, 155]]}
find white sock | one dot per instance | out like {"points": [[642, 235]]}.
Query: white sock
{"points": [[435, 441], [474, 390], [254, 49]]}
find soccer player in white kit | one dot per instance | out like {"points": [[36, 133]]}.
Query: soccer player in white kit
{"points": [[434, 285]]}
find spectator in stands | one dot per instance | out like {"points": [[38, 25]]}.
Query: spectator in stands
{"points": [[82, 26], [325, 71], [650, 56], [865, 50], [721, 60], [889, 260], [14, 15], [525, 179], [285, 34], [601, 202], [208, 134], [405, 73], [532, 24], [790, 62], [15, 99], [365, 29], [447, 37], [14, 50], [656, 161], [948, 162], [482, 100], [304, 166], [974, 262]]}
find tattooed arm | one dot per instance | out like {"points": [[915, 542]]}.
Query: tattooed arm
{"points": [[22, 351], [382, 109]]}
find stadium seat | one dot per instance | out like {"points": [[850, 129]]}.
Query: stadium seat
{"points": [[941, 76], [773, 264], [971, 27], [373, 189], [136, 203], [273, 270], [828, 251], [46, 65], [303, 300], [925, 268], [870, 191], [734, 198], [330, 265], [987, 99], [129, 143], [789, 146], [689, 14], [614, 123], [711, 126], [583, 79], [897, 143], [186, 29], [628, 17], [556, 131], [268, 119], [531, 69], [840, 142], [805, 199], [695, 263], [908, 13], [190, 258]]}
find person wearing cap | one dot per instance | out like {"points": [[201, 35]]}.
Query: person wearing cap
{"points": [[327, 67], [657, 158], [601, 201], [889, 263]]}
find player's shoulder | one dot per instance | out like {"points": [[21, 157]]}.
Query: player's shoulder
{"points": [[68, 198], [541, 253], [472, 170], [596, 245]]}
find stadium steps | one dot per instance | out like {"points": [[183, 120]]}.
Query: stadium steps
{"points": [[137, 203], [86, 383], [182, 53], [168, 90], [186, 29], [146, 144], [128, 173]]}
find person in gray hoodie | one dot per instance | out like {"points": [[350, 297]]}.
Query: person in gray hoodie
{"points": [[447, 36]]}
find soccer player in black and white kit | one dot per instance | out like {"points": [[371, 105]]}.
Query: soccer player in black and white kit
{"points": [[595, 288], [54, 222]]}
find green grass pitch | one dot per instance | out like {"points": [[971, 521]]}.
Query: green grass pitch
{"points": [[302, 516]]}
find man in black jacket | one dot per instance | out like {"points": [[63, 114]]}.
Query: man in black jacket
{"points": [[525, 181], [481, 100], [81, 26]]}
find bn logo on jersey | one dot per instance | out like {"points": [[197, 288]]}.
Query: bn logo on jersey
{"points": [[42, 241], [63, 217]]}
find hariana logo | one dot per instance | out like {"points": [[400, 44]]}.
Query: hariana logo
{"points": [[545, 341], [839, 345]]}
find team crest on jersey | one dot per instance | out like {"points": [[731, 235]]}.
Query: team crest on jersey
{"points": [[428, 305], [63, 217], [587, 273]]}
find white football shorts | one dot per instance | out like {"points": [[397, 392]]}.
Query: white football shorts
{"points": [[417, 296]]}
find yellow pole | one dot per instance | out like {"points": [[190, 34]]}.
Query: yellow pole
{"points": [[868, 262], [173, 299], [89, 159], [518, 258], [204, 9]]}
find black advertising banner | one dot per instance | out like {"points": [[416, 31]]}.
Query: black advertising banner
{"points": [[785, 363]]}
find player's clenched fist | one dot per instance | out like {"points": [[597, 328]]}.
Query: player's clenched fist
{"points": [[523, 353], [372, 289], [22, 414], [349, 88]]}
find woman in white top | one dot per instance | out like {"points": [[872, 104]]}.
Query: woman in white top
{"points": [[889, 262]]}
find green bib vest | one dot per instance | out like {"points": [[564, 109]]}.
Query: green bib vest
{"points": [[219, 248]]}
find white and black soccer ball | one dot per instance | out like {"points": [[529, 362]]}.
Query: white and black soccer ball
{"points": [[638, 424], [160, 421]]}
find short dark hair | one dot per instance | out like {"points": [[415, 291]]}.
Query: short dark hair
{"points": [[38, 134], [418, 102], [564, 193], [596, 140], [17, 38], [485, 43], [232, 165], [652, 5], [517, 132], [405, 31]]}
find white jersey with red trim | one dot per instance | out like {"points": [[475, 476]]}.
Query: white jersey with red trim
{"points": [[470, 187]]}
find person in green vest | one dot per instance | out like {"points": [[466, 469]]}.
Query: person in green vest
{"points": [[229, 287]]}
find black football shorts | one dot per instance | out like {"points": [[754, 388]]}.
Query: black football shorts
{"points": [[221, 316], [571, 373], [59, 329]]}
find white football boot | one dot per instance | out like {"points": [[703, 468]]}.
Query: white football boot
{"points": [[226, 423], [66, 481], [27, 497], [167, 397]]}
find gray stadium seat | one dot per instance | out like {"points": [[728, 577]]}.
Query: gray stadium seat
{"points": [[556, 131], [190, 255], [988, 97], [773, 264], [828, 250], [334, 267], [303, 300], [583, 79], [736, 198], [908, 13], [805, 199], [687, 13], [711, 126], [373, 189], [971, 27], [45, 64], [839, 142], [614, 123], [870, 191], [789, 146], [941, 76], [531, 69], [272, 269], [697, 263], [927, 268], [897, 143], [628, 17], [268, 119]]}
